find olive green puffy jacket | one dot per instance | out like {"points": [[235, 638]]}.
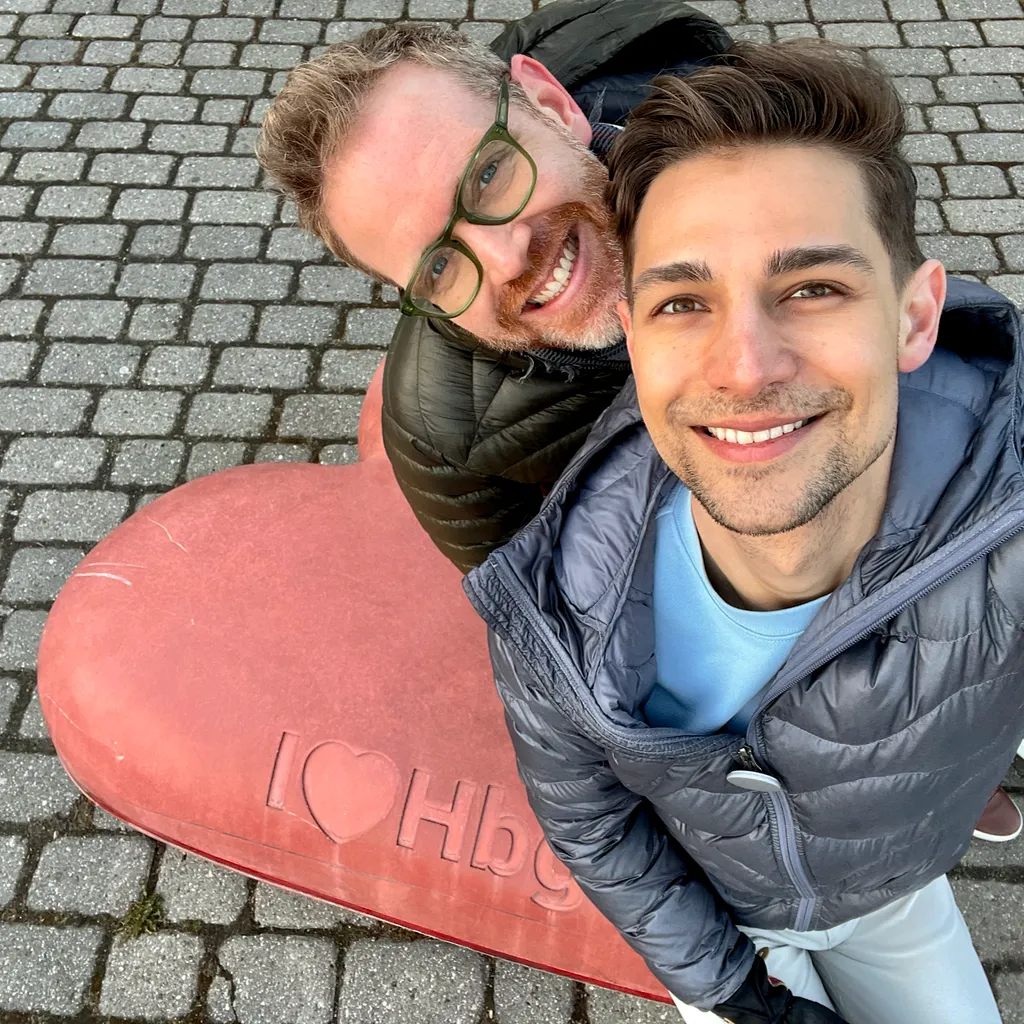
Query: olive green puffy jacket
{"points": [[476, 437]]}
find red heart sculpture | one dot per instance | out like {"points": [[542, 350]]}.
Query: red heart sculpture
{"points": [[273, 667], [348, 793]]}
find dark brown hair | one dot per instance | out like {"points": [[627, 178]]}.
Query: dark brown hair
{"points": [[804, 92]]}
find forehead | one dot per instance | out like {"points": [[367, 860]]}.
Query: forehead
{"points": [[731, 209], [396, 173]]}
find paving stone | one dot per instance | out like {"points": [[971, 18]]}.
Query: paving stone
{"points": [[237, 30], [234, 208], [9, 271], [49, 166], [212, 456], [283, 453], [1009, 989], [333, 284], [86, 318], [69, 516], [149, 80], [41, 410], [148, 463], [22, 239], [87, 106], [424, 982], [226, 415], [9, 690], [156, 281], [32, 787], [166, 28], [969, 254], [150, 204], [20, 641], [320, 416], [952, 119], [48, 26], [977, 180], [370, 328], [107, 822], [348, 369], [943, 33], [218, 323], [868, 33], [89, 364], [999, 905], [109, 51], [207, 55], [52, 460], [225, 243], [12, 856], [189, 138], [110, 135], [342, 31], [44, 969], [993, 60], [160, 53], [156, 240], [277, 980], [156, 322], [607, 1007], [296, 325], [14, 201], [224, 111], [526, 996], [175, 365], [776, 10], [222, 172], [24, 104], [305, 32], [210, 82], [245, 141], [33, 725], [1003, 116], [72, 77], [78, 201], [985, 215], [136, 412], [246, 281], [37, 574], [1004, 33], [19, 316], [338, 455], [993, 147], [848, 10], [36, 134], [45, 51], [105, 27], [982, 8], [154, 976], [980, 89], [89, 240], [279, 908], [295, 244], [487, 31], [280, 368], [195, 889], [1012, 249], [928, 183], [70, 277], [90, 874], [322, 9], [131, 169], [1011, 285], [16, 358]]}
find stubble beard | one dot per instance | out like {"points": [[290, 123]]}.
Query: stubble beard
{"points": [[842, 464], [591, 322]]}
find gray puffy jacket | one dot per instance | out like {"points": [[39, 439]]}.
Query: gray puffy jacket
{"points": [[882, 736]]}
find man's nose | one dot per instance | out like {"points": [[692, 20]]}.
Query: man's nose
{"points": [[502, 249], [748, 353]]}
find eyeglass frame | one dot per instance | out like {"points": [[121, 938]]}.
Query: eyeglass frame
{"points": [[497, 131]]}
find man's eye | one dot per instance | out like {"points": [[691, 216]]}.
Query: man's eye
{"points": [[676, 306], [488, 173], [437, 268], [813, 291]]}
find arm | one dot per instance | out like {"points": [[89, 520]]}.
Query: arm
{"points": [[617, 848]]}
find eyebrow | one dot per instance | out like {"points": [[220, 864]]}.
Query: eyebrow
{"points": [[782, 261]]}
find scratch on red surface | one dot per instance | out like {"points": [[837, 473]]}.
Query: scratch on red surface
{"points": [[168, 532]]}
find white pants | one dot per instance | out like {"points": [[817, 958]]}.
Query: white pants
{"points": [[912, 962]]}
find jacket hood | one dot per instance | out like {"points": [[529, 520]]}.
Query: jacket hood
{"points": [[956, 466]]}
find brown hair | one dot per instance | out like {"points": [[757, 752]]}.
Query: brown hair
{"points": [[804, 92], [321, 100]]}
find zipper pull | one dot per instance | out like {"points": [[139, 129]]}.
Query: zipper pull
{"points": [[745, 756]]}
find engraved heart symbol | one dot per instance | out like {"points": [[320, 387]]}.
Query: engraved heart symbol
{"points": [[348, 793]]}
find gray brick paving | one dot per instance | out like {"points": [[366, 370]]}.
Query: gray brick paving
{"points": [[90, 874], [155, 977], [194, 889], [44, 969], [158, 312]]}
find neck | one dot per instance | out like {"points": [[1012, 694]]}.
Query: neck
{"points": [[786, 569]]}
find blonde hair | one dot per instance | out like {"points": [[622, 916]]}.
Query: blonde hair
{"points": [[316, 110]]}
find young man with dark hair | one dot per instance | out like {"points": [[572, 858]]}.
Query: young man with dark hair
{"points": [[761, 651]]}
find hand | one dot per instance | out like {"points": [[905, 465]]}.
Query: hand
{"points": [[760, 1001]]}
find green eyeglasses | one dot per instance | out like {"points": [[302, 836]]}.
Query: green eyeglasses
{"points": [[495, 186]]}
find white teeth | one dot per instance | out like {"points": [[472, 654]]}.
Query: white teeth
{"points": [[756, 437], [559, 278]]}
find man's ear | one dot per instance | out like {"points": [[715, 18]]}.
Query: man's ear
{"points": [[547, 93], [923, 297], [626, 319]]}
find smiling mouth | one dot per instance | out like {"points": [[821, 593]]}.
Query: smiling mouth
{"points": [[560, 276], [741, 437]]}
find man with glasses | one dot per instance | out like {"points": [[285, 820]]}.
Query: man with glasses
{"points": [[475, 184]]}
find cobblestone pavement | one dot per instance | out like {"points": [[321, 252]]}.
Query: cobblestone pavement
{"points": [[162, 318]]}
